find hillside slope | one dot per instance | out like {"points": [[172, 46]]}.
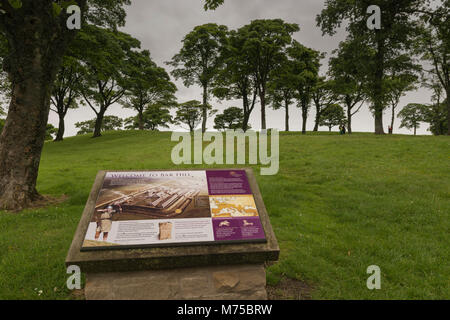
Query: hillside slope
{"points": [[338, 205]]}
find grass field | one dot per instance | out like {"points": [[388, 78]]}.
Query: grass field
{"points": [[338, 205]]}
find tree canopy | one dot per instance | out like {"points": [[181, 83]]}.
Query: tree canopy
{"points": [[199, 60]]}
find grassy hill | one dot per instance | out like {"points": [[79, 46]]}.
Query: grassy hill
{"points": [[338, 205]]}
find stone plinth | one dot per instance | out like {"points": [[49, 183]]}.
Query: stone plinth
{"points": [[243, 282], [217, 271]]}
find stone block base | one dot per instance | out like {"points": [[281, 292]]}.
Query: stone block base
{"points": [[242, 282]]}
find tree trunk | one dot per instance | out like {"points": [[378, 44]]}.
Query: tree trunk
{"points": [[61, 128], [205, 108], [304, 118], [37, 42], [141, 120], [287, 116], [378, 85], [262, 97], [37, 49], [99, 124], [349, 120], [392, 120], [448, 112], [316, 125], [21, 143], [415, 130]]}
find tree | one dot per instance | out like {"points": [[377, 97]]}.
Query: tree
{"points": [[154, 116], [191, 114], [322, 96], [36, 32], [213, 4], [331, 116], [398, 27], [436, 113], [306, 75], [434, 45], [281, 88], [398, 85], [199, 60], [147, 84], [412, 115], [236, 80], [65, 92], [110, 123], [265, 44], [348, 69], [105, 57], [50, 132], [231, 118]]}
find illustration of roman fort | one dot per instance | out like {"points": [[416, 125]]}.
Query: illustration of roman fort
{"points": [[155, 201]]}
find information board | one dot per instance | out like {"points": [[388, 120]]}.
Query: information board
{"points": [[163, 208]]}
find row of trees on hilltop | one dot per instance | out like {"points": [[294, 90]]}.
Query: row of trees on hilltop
{"points": [[262, 63]]}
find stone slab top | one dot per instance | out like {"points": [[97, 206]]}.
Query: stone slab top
{"points": [[154, 258]]}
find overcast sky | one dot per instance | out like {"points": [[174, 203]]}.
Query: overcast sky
{"points": [[160, 25]]}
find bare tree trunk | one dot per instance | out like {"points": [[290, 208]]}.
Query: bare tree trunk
{"points": [[262, 96], [99, 124], [21, 143], [378, 86], [205, 107], [392, 120], [141, 119], [318, 112], [304, 118], [448, 112], [37, 42], [61, 128], [287, 116], [349, 120]]}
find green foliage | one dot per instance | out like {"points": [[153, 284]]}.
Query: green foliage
{"points": [[306, 63], [155, 116], [199, 60], [50, 132], [282, 87], [232, 118], [264, 45], [433, 44], [348, 71], [110, 123], [399, 24], [237, 80], [16, 4], [190, 113], [146, 83], [436, 116], [412, 115], [213, 4], [105, 57], [332, 116]]}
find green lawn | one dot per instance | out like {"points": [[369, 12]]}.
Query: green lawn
{"points": [[338, 205]]}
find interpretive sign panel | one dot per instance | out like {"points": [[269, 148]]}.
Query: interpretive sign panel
{"points": [[166, 208]]}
